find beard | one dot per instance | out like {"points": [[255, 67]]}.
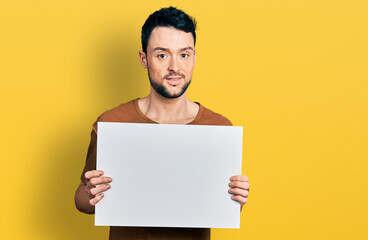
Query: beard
{"points": [[163, 91]]}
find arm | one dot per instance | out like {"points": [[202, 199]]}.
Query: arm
{"points": [[82, 197], [82, 200]]}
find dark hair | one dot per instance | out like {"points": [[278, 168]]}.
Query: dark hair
{"points": [[168, 17]]}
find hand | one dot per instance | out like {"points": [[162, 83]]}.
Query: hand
{"points": [[94, 178], [239, 186]]}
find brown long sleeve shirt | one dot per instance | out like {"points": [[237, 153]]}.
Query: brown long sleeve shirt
{"points": [[130, 112]]}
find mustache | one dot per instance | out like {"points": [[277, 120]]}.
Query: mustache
{"points": [[174, 75]]}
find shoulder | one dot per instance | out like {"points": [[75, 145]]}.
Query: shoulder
{"points": [[209, 117], [125, 112], [118, 113]]}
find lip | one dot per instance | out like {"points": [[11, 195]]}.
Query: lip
{"points": [[174, 80]]}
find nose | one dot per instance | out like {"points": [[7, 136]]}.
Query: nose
{"points": [[173, 65]]}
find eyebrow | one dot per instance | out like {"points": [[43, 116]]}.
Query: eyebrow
{"points": [[167, 50]]}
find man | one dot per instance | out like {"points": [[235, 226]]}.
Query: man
{"points": [[168, 41]]}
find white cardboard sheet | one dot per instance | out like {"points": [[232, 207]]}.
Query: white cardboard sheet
{"points": [[167, 175]]}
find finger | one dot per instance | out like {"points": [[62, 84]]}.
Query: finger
{"points": [[99, 189], [239, 191], [241, 178], [98, 180], [96, 199], [237, 184], [240, 199], [94, 173]]}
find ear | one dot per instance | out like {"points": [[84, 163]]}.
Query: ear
{"points": [[195, 57], [143, 58]]}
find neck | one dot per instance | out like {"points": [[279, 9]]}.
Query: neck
{"points": [[168, 110]]}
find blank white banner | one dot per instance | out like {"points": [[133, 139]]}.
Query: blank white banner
{"points": [[167, 175]]}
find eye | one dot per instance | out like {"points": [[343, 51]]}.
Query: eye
{"points": [[162, 56], [184, 55]]}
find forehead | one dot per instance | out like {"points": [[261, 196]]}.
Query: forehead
{"points": [[170, 38]]}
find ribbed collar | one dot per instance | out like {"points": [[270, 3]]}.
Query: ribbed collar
{"points": [[139, 112]]}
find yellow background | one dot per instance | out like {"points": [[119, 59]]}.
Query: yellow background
{"points": [[293, 73]]}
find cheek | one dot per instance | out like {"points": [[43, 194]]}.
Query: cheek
{"points": [[157, 67], [157, 73], [188, 66], [188, 70]]}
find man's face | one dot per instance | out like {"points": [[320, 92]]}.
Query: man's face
{"points": [[170, 60]]}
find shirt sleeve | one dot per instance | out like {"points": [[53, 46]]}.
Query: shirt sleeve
{"points": [[91, 156]]}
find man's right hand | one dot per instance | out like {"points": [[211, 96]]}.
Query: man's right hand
{"points": [[96, 184]]}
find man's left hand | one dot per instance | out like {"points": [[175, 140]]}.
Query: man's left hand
{"points": [[239, 186]]}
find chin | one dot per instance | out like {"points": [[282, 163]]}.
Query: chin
{"points": [[170, 91]]}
